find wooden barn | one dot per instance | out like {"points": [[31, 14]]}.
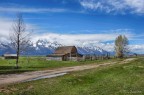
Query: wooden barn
{"points": [[65, 53], [10, 56]]}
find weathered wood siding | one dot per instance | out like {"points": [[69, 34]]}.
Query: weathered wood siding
{"points": [[55, 58]]}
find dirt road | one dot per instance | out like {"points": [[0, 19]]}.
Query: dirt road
{"points": [[27, 76]]}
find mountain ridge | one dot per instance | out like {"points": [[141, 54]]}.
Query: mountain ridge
{"points": [[45, 47]]}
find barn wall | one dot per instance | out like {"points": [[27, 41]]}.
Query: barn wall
{"points": [[72, 58], [55, 58], [10, 57], [75, 58], [80, 59]]}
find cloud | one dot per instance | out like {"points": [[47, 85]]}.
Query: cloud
{"points": [[104, 40], [88, 40], [5, 25], [31, 10], [6, 28], [114, 6], [137, 48], [73, 38], [137, 5]]}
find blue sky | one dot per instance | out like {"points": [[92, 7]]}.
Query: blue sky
{"points": [[96, 20]]}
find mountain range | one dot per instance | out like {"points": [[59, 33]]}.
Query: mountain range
{"points": [[44, 47]]}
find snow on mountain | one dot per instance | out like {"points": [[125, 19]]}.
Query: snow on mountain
{"points": [[6, 48], [45, 47], [88, 51], [42, 47]]}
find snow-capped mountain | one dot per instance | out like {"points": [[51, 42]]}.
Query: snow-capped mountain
{"points": [[45, 47], [91, 51], [5, 48]]}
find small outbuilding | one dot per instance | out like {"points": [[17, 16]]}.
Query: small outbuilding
{"points": [[10, 56], [65, 53]]}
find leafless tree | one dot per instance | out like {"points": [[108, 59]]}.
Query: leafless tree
{"points": [[19, 38]]}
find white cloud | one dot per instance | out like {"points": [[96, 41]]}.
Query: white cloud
{"points": [[137, 5], [70, 39], [137, 48], [5, 25], [108, 6], [31, 10], [115, 6], [91, 40], [82, 40], [6, 28], [95, 5]]}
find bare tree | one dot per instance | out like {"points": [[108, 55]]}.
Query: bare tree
{"points": [[121, 46], [20, 39]]}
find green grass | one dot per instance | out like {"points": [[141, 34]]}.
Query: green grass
{"points": [[39, 63], [118, 79]]}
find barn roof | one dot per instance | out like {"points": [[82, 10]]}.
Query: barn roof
{"points": [[10, 55], [65, 50]]}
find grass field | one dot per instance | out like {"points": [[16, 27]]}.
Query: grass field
{"points": [[119, 79], [39, 63]]}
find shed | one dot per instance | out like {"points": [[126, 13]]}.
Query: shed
{"points": [[10, 56], [65, 53]]}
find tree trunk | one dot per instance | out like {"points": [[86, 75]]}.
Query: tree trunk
{"points": [[17, 61], [18, 50]]}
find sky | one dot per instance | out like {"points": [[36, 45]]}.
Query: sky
{"points": [[73, 22]]}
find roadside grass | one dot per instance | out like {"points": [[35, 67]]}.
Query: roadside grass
{"points": [[117, 79], [40, 63]]}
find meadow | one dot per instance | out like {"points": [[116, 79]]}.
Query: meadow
{"points": [[117, 79], [40, 63]]}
